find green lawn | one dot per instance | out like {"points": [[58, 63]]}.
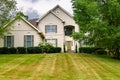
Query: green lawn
{"points": [[58, 67]]}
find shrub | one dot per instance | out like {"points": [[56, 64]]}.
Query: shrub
{"points": [[51, 50], [57, 49], [2, 50], [101, 51], [88, 49], [5, 50], [37, 50], [30, 50], [34, 50], [46, 47], [21, 50], [12, 50]]}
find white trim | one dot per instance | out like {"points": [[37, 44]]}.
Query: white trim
{"points": [[49, 13], [25, 22]]}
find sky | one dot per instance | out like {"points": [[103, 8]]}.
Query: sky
{"points": [[37, 8]]}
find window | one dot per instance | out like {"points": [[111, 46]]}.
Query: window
{"points": [[51, 29], [9, 41], [28, 40], [68, 31], [52, 41]]}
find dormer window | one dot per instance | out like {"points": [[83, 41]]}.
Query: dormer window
{"points": [[50, 28]]}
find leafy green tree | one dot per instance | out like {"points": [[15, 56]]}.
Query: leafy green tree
{"points": [[22, 14], [99, 18], [7, 11]]}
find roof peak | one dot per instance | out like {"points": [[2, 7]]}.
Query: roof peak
{"points": [[52, 11], [58, 6]]}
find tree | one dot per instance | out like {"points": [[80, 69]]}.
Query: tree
{"points": [[99, 18], [22, 14], [7, 11]]}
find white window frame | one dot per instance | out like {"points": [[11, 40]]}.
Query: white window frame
{"points": [[26, 41], [50, 28], [51, 41], [7, 43]]}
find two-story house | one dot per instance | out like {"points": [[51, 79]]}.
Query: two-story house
{"points": [[56, 26]]}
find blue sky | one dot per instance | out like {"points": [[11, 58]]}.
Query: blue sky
{"points": [[36, 8]]}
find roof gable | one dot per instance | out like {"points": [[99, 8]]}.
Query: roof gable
{"points": [[56, 7], [19, 17], [48, 14], [52, 11], [27, 22]]}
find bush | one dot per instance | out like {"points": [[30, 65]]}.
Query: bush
{"points": [[1, 51], [12, 50], [101, 52], [57, 49], [46, 47], [50, 50], [34, 50], [88, 49], [30, 50], [37, 50], [4, 50], [21, 50]]}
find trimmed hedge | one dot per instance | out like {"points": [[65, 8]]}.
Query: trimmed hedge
{"points": [[31, 50], [21, 50], [4, 50], [12, 50], [57, 49], [87, 49], [101, 51], [92, 50]]}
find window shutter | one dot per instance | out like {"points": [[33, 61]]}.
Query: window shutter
{"points": [[45, 29], [56, 28], [56, 42], [32, 40], [12, 41], [24, 40], [5, 43]]}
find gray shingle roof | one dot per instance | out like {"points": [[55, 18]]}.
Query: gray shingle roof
{"points": [[33, 22]]}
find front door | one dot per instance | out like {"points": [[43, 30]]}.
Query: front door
{"points": [[69, 44]]}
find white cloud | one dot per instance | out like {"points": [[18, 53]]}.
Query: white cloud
{"points": [[32, 13], [42, 6]]}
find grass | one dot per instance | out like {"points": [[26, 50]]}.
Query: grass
{"points": [[59, 66]]}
